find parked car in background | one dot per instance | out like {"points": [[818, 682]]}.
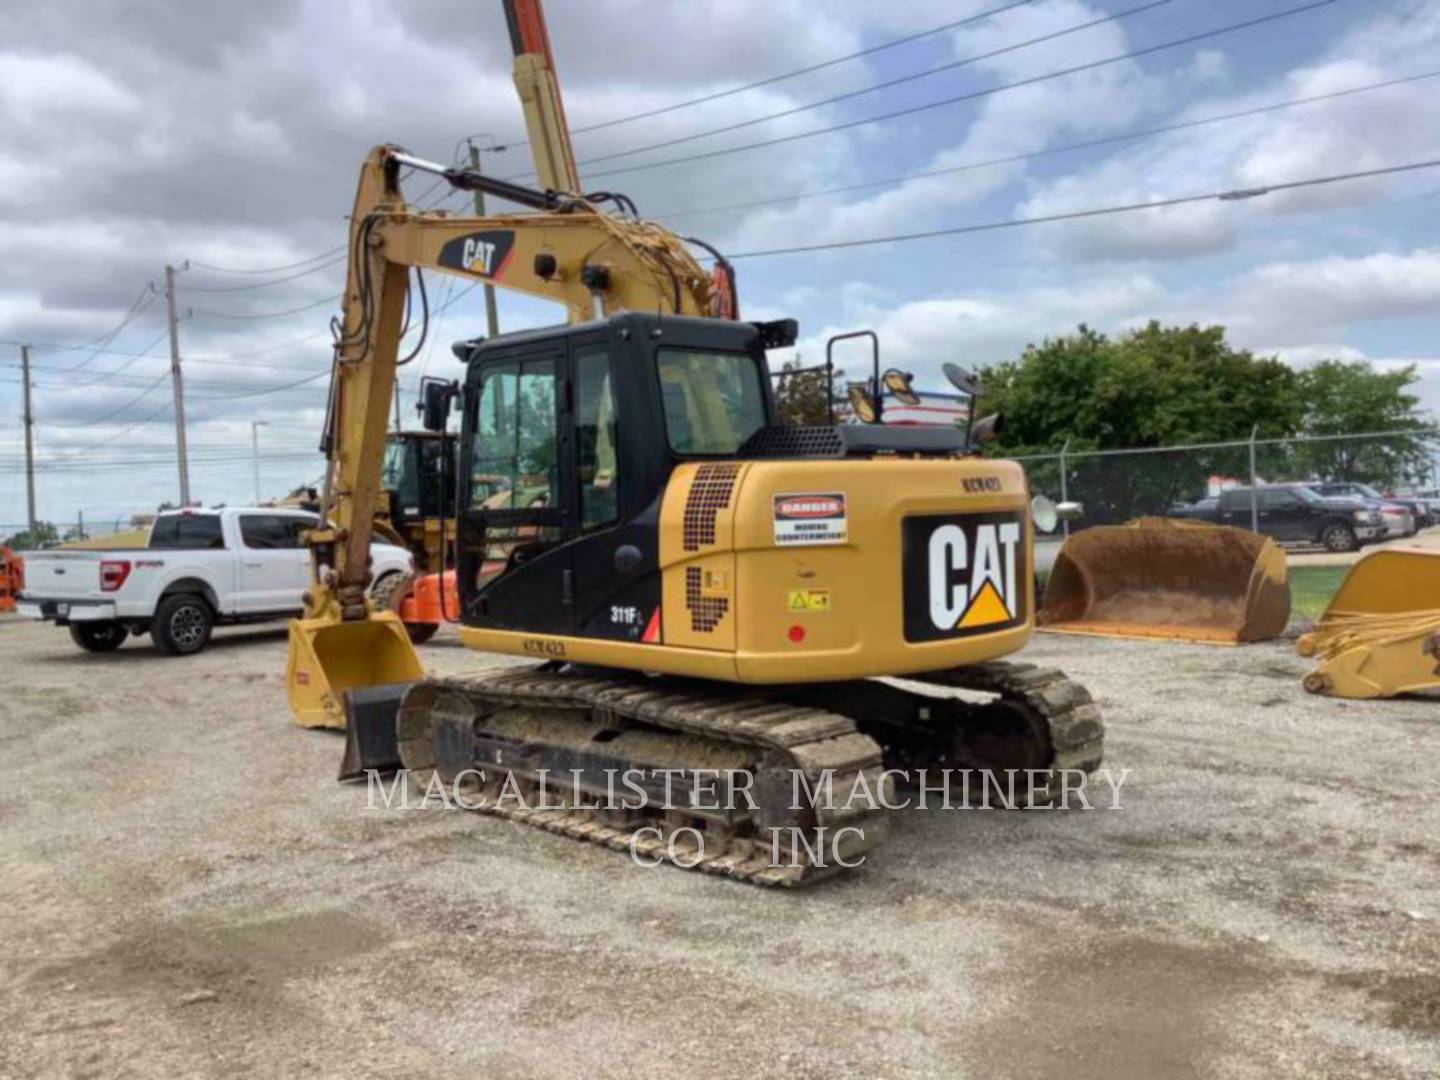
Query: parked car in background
{"points": [[1294, 514], [1396, 508], [1205, 509], [198, 569]]}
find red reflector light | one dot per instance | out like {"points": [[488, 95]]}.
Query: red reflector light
{"points": [[796, 634], [113, 575]]}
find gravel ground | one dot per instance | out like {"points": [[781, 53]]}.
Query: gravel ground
{"points": [[187, 892]]}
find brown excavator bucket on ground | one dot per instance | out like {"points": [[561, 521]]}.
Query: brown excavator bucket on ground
{"points": [[1380, 636], [1179, 580]]}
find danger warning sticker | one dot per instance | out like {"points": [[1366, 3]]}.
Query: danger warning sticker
{"points": [[810, 518]]}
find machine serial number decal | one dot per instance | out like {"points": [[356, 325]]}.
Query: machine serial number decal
{"points": [[541, 647], [807, 518]]}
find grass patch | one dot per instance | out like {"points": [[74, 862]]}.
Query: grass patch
{"points": [[1311, 588]]}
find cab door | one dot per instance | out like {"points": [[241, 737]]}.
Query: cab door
{"points": [[515, 570]]}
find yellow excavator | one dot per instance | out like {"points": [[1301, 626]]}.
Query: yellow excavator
{"points": [[700, 589]]}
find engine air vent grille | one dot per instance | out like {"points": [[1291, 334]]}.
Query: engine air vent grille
{"points": [[705, 611], [710, 493]]}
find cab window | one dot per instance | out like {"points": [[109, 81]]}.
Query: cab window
{"points": [[514, 460], [397, 474], [596, 437], [713, 400]]}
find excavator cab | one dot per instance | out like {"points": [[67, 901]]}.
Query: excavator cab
{"points": [[569, 438], [418, 477]]}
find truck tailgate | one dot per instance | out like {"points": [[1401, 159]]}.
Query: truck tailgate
{"points": [[55, 574]]}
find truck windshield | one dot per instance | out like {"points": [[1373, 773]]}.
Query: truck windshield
{"points": [[713, 400]]}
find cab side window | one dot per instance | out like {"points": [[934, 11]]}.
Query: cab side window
{"points": [[515, 461], [596, 437]]}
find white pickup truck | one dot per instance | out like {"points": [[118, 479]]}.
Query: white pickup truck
{"points": [[198, 569]]}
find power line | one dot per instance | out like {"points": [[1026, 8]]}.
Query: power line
{"points": [[771, 80], [265, 390], [972, 95], [268, 314], [109, 335], [137, 308], [1031, 155], [262, 284], [874, 87], [105, 376], [1233, 195], [229, 358], [267, 269]]}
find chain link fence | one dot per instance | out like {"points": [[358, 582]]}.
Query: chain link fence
{"points": [[1339, 492]]}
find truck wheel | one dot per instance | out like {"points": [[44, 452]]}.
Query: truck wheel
{"points": [[98, 636], [182, 624], [1337, 537]]}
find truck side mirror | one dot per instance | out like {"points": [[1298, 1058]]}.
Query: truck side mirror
{"points": [[435, 397]]}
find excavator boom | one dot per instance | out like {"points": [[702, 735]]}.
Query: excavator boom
{"points": [[568, 252]]}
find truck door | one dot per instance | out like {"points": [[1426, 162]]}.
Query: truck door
{"points": [[1282, 515], [269, 565]]}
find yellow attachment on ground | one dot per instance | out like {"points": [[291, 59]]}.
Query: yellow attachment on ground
{"points": [[1161, 578], [328, 657], [1380, 636]]}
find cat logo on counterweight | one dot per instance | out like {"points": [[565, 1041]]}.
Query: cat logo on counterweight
{"points": [[963, 574]]}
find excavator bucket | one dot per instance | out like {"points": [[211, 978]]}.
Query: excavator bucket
{"points": [[1380, 636], [1179, 580], [329, 659]]}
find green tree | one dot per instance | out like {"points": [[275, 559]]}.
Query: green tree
{"points": [[1158, 386], [1351, 398], [1153, 387], [803, 398], [42, 535]]}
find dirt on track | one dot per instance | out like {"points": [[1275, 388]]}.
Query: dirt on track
{"points": [[187, 891]]}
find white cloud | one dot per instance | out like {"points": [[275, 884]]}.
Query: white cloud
{"points": [[1387, 127], [1014, 122], [35, 88]]}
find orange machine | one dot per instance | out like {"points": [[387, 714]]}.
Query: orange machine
{"points": [[12, 578]]}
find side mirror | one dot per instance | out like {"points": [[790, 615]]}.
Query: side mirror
{"points": [[435, 398], [1070, 511], [861, 403]]}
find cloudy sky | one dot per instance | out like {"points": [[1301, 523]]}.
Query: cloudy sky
{"points": [[139, 132]]}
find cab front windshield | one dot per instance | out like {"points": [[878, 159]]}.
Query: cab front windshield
{"points": [[714, 401]]}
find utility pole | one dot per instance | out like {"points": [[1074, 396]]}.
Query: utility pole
{"points": [[255, 426], [492, 316], [178, 386], [29, 441]]}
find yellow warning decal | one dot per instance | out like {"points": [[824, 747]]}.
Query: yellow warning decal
{"points": [[807, 600]]}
